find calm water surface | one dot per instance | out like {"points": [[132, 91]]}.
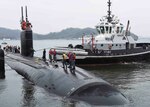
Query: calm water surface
{"points": [[132, 79]]}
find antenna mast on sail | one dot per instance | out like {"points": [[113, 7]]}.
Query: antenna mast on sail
{"points": [[22, 17], [109, 12], [25, 24], [26, 15]]}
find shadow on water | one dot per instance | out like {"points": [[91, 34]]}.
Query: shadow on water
{"points": [[28, 94], [68, 104]]}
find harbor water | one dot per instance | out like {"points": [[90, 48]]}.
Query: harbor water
{"points": [[132, 79]]}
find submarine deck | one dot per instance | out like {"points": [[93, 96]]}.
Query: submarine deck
{"points": [[38, 63], [79, 86]]}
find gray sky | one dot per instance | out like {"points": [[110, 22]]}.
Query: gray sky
{"points": [[54, 15]]}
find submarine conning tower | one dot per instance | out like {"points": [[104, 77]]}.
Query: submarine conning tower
{"points": [[26, 36]]}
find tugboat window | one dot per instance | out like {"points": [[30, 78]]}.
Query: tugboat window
{"points": [[107, 28], [110, 30], [102, 29], [116, 44], [101, 45], [117, 30], [121, 30], [98, 29]]}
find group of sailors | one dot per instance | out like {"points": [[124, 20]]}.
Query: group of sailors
{"points": [[13, 49], [26, 25], [67, 59], [52, 55]]}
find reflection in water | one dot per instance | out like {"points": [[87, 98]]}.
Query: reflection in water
{"points": [[122, 75], [2, 86], [28, 94], [68, 103]]}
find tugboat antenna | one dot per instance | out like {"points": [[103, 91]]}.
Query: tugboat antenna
{"points": [[109, 12]]}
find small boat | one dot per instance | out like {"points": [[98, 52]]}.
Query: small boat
{"points": [[5, 43], [113, 44]]}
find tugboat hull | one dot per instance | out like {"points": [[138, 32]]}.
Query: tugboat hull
{"points": [[138, 57]]}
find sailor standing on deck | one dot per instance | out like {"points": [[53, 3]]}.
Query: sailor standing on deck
{"points": [[28, 26], [44, 55], [32, 52], [54, 55], [64, 61], [50, 55], [23, 25], [72, 59], [69, 56]]}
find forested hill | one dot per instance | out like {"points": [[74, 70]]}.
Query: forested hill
{"points": [[69, 33], [9, 33]]}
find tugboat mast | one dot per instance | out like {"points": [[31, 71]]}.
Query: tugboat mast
{"points": [[109, 12]]}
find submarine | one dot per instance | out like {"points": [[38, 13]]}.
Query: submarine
{"points": [[81, 86]]}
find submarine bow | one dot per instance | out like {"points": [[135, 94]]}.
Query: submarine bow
{"points": [[81, 86]]}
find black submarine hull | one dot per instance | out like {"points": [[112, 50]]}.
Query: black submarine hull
{"points": [[81, 86]]}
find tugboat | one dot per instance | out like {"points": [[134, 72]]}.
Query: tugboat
{"points": [[113, 44]]}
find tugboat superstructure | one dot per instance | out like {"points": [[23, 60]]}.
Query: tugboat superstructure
{"points": [[111, 35]]}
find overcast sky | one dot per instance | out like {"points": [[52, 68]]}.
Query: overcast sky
{"points": [[54, 15]]}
